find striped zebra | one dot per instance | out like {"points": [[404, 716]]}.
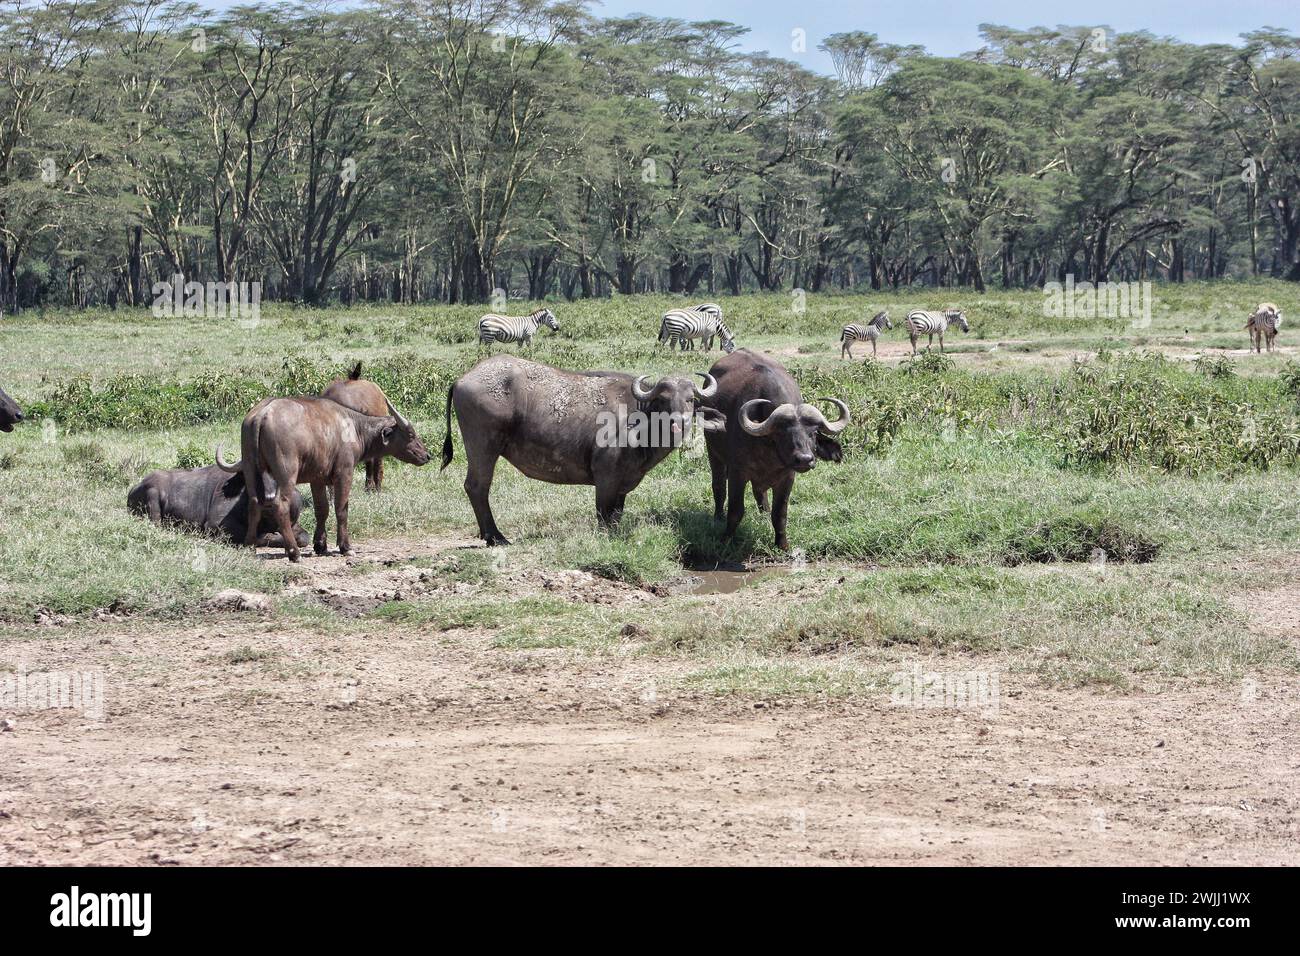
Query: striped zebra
{"points": [[680, 326], [919, 322], [507, 328], [1264, 323], [860, 333]]}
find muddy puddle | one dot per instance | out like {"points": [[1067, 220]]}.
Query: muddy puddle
{"points": [[726, 580]]}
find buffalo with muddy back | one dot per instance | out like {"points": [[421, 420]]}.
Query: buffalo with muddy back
{"points": [[209, 501], [307, 440], [771, 436], [563, 427]]}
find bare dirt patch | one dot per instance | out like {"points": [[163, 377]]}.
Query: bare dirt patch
{"points": [[400, 745], [407, 569]]}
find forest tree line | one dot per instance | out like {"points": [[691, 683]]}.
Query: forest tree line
{"points": [[424, 151]]}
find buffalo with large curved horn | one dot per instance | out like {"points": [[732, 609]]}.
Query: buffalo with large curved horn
{"points": [[765, 454]]}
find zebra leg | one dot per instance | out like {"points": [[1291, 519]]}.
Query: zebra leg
{"points": [[930, 342], [781, 510], [913, 338], [940, 341], [873, 348], [846, 349]]}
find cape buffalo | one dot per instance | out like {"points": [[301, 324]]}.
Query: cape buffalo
{"points": [[567, 428], [10, 413], [208, 500], [293, 441], [771, 435], [365, 397]]}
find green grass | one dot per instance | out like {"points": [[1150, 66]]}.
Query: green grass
{"points": [[1070, 503]]}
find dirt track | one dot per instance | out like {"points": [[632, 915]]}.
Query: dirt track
{"points": [[404, 746]]}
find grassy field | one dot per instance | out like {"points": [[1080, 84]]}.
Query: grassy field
{"points": [[1082, 499]]}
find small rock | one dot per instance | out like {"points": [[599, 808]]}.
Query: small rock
{"points": [[7, 726], [632, 630], [1160, 743]]}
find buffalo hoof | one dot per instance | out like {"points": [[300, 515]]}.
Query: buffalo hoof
{"points": [[496, 539], [294, 556], [321, 548]]}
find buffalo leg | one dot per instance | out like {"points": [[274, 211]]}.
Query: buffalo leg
{"points": [[321, 503], [478, 484], [780, 511], [609, 506], [254, 515], [284, 521], [374, 474], [735, 506], [718, 466], [342, 490], [760, 498]]}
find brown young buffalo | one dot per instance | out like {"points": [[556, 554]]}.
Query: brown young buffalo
{"points": [[771, 436], [356, 393], [293, 441], [10, 413]]}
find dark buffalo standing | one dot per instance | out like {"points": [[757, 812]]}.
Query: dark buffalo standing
{"points": [[292, 441], [555, 426], [10, 413], [208, 500], [771, 436], [365, 397]]}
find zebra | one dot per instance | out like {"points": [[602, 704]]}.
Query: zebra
{"points": [[919, 322], [1264, 323], [870, 332], [682, 325], [506, 328]]}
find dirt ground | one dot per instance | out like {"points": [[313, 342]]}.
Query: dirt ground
{"points": [[397, 744]]}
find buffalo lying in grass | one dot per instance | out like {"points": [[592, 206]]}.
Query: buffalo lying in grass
{"points": [[568, 428], [207, 500], [10, 413], [771, 435]]}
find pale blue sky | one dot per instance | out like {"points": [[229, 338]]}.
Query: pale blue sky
{"points": [[946, 27]]}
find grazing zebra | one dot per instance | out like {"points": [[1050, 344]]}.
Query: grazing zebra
{"points": [[1264, 323], [506, 328], [869, 332], [919, 322], [682, 325]]}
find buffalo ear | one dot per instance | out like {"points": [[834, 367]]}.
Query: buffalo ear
{"points": [[386, 436], [828, 449], [714, 420], [233, 486]]}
